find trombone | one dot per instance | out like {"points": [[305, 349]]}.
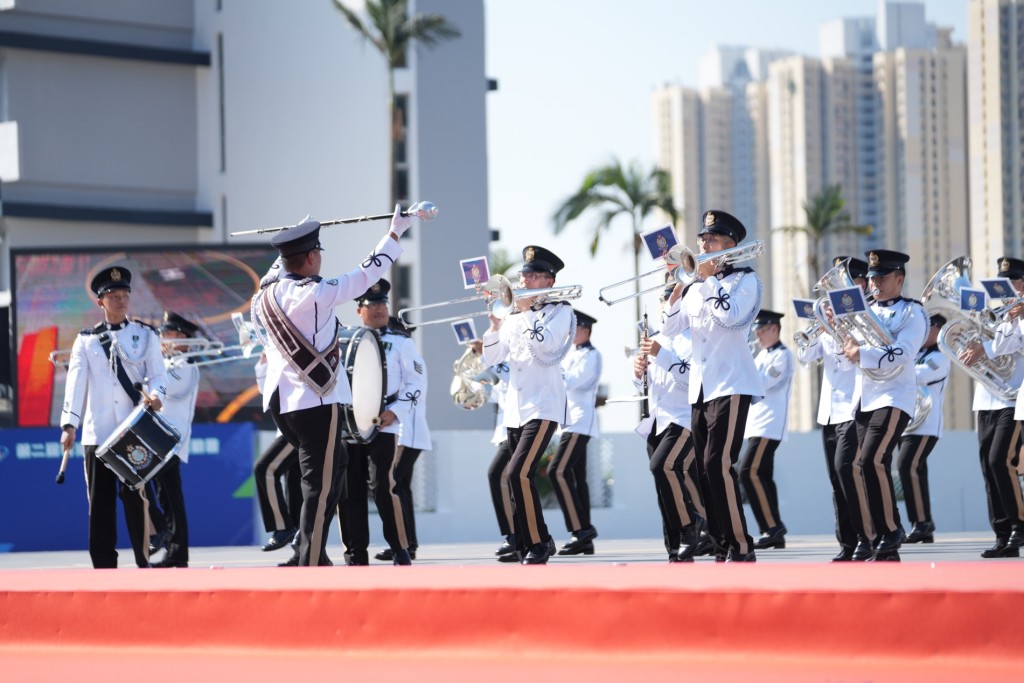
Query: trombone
{"points": [[499, 299], [672, 258]]}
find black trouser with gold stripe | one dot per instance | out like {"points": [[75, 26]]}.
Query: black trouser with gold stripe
{"points": [[317, 436], [501, 493], [912, 464], [527, 444], [718, 438], [878, 432], [354, 511], [277, 479], [757, 472], [848, 497], [405, 463], [673, 464], [568, 474], [171, 498], [999, 438], [104, 488]]}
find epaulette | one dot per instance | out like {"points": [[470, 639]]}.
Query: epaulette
{"points": [[398, 333], [144, 324], [912, 301]]}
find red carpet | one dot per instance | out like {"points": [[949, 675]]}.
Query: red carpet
{"points": [[604, 622]]}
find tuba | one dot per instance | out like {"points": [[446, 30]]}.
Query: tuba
{"points": [[942, 296], [473, 380], [864, 328], [922, 407]]}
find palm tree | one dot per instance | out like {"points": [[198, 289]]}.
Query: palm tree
{"points": [[613, 191], [825, 216], [392, 31]]}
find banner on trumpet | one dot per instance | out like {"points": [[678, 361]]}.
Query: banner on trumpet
{"points": [[848, 301], [660, 241]]}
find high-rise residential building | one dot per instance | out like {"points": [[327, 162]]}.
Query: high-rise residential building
{"points": [[924, 198], [677, 131], [995, 96]]}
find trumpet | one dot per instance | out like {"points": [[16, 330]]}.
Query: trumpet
{"points": [[808, 335], [672, 258], [499, 299], [991, 317]]}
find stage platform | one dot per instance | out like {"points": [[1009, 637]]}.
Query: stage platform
{"points": [[622, 614]]}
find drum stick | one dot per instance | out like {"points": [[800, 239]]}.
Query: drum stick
{"points": [[63, 466]]}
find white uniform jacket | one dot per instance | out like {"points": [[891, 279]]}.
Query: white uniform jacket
{"points": [[309, 303], [1009, 338], [533, 344], [581, 369], [770, 418], [406, 391], [497, 397], [836, 404], [93, 397], [180, 405], [933, 372], [909, 329], [718, 312], [668, 384]]}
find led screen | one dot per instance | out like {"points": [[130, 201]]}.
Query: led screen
{"points": [[52, 303]]}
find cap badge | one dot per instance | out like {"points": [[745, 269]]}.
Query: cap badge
{"points": [[1004, 266], [528, 254], [375, 288], [115, 275], [837, 261], [872, 259], [709, 219]]}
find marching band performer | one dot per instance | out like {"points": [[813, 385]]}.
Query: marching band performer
{"points": [[406, 382], [413, 439], [885, 406], [179, 410], [304, 388], [581, 369], [767, 427], [670, 449], [718, 308], [533, 341], [107, 362], [932, 367], [836, 413], [999, 431]]}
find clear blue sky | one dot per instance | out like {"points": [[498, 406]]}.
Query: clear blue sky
{"points": [[575, 79]]}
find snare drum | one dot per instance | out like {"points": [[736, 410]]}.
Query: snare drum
{"points": [[366, 367], [139, 447]]}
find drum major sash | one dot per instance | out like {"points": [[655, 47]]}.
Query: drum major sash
{"points": [[317, 369]]}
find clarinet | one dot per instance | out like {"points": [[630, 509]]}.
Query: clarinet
{"points": [[645, 411]]}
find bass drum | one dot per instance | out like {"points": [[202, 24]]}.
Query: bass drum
{"points": [[367, 370]]}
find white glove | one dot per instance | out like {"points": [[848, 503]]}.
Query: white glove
{"points": [[272, 274], [400, 223]]}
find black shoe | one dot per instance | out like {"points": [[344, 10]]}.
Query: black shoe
{"points": [[386, 555], [845, 554], [772, 538], [586, 548], [508, 547], [168, 562], [734, 556], [705, 545], [1000, 549], [890, 542], [402, 557], [357, 558], [292, 561], [538, 553], [891, 555], [689, 543], [551, 546], [159, 541], [510, 557], [863, 551], [278, 540], [673, 556], [923, 532], [1016, 539]]}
